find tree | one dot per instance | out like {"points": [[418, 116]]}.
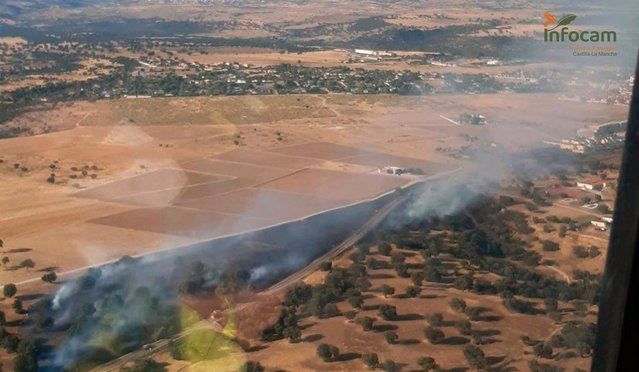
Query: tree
{"points": [[298, 295], [391, 337], [17, 306], [413, 291], [457, 304], [473, 313], [563, 229], [427, 364], [251, 366], [464, 327], [464, 282], [543, 350], [436, 319], [10, 290], [397, 259], [384, 249], [475, 356], [551, 304], [549, 246], [5, 261], [327, 352], [387, 290], [293, 334], [175, 350], [417, 277], [434, 335], [330, 310], [371, 360], [366, 323], [326, 266], [390, 366], [27, 264], [49, 277], [26, 360], [3, 321], [356, 301], [388, 312]]}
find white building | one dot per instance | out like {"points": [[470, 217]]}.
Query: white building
{"points": [[600, 225], [366, 52], [592, 184]]}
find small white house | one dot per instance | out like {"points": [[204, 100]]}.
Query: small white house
{"points": [[607, 219]]}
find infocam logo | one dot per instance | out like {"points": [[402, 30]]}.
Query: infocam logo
{"points": [[551, 34]]}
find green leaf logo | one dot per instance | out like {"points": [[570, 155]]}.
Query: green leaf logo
{"points": [[565, 21]]}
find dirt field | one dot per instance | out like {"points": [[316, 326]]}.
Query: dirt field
{"points": [[335, 185], [264, 203], [217, 146]]}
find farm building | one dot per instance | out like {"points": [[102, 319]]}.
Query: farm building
{"points": [[600, 225], [592, 184]]}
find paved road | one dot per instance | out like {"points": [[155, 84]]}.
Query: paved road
{"points": [[156, 347], [341, 248]]}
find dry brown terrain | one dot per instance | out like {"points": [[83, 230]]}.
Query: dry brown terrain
{"points": [[159, 152]]}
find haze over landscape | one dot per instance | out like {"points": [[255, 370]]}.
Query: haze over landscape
{"points": [[224, 185]]}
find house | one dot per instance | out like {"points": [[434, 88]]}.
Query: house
{"points": [[592, 184], [600, 225]]}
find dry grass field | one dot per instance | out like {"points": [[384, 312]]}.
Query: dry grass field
{"points": [[112, 157]]}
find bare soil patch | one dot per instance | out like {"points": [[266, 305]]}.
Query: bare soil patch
{"points": [[335, 185]]}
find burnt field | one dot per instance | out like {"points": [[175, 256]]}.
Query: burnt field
{"points": [[150, 287]]}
